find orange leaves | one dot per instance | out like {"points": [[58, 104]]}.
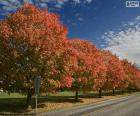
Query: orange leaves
{"points": [[87, 63], [66, 81], [35, 39], [34, 25], [5, 31], [37, 35], [115, 71], [133, 74]]}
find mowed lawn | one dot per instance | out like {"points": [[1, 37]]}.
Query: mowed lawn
{"points": [[15, 102], [12, 103]]}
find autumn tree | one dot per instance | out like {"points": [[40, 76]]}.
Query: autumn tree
{"points": [[115, 72], [133, 74], [85, 65], [31, 40], [100, 78]]}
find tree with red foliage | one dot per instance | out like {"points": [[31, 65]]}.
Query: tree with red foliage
{"points": [[33, 39], [34, 43], [133, 74], [86, 65], [115, 73], [101, 75]]}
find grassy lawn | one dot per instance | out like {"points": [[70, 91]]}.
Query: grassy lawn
{"points": [[15, 103], [12, 103], [12, 95]]}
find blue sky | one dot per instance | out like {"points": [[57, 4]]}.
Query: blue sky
{"points": [[107, 23]]}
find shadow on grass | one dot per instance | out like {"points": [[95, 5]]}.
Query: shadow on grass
{"points": [[12, 105], [63, 99], [71, 99], [17, 105]]}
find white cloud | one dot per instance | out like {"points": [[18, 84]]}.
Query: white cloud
{"points": [[88, 1], [80, 19], [10, 8], [42, 3], [126, 43], [76, 1], [11, 5], [4, 2]]}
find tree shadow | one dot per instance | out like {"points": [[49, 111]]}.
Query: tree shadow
{"points": [[58, 99], [17, 105], [12, 105], [63, 99]]}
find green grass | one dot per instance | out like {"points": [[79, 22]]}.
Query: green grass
{"points": [[64, 93], [15, 102], [12, 95]]}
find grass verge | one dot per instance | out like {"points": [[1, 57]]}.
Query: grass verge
{"points": [[15, 103]]}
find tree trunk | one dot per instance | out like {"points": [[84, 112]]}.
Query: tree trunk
{"points": [[122, 91], [100, 93], [113, 92], [76, 95], [29, 97]]}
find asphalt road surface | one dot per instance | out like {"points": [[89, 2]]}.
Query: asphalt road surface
{"points": [[124, 106], [130, 107]]}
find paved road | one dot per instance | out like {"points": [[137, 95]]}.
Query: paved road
{"points": [[124, 106], [130, 107]]}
